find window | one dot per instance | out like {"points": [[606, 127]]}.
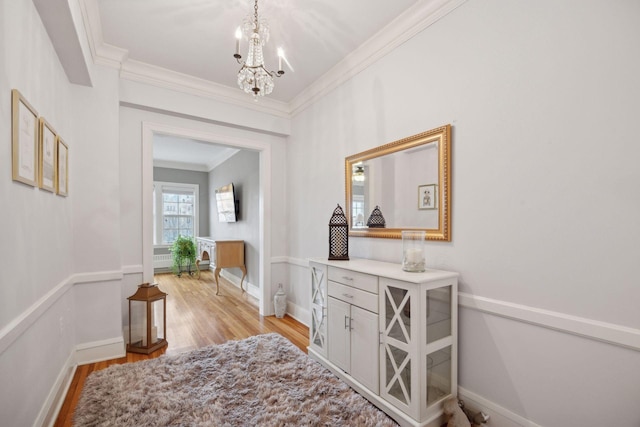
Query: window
{"points": [[357, 211], [175, 211]]}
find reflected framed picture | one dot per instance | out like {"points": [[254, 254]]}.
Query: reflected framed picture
{"points": [[62, 168], [47, 153], [24, 140], [427, 197]]}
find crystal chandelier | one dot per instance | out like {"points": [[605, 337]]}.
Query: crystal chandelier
{"points": [[253, 77]]}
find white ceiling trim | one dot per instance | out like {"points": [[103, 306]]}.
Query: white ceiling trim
{"points": [[411, 22], [157, 76], [221, 159], [414, 20], [180, 165], [101, 52]]}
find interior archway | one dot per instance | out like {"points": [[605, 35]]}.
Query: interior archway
{"points": [[148, 131]]}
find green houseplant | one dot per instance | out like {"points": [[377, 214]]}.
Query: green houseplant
{"points": [[183, 251]]}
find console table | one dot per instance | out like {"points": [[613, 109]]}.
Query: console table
{"points": [[223, 254], [388, 333]]}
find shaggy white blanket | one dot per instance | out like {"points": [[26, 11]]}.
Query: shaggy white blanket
{"points": [[260, 381]]}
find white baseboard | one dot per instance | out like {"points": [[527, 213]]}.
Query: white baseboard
{"points": [[300, 262], [302, 315], [55, 399], [498, 416], [98, 351], [251, 289]]}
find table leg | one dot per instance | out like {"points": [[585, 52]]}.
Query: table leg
{"points": [[217, 277], [244, 274]]}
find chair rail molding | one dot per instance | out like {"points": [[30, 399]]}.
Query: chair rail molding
{"points": [[593, 329]]}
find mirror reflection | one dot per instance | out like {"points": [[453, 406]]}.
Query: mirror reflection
{"points": [[408, 180]]}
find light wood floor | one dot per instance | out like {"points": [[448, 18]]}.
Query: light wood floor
{"points": [[196, 317]]}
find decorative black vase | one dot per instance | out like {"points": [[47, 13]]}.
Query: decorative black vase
{"points": [[338, 235], [376, 220]]}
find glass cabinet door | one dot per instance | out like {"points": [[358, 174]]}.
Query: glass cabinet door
{"points": [[397, 358], [318, 330], [438, 311], [439, 340]]}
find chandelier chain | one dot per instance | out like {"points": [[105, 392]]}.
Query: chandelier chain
{"points": [[255, 14]]}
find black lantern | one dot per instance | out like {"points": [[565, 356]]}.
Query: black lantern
{"points": [[147, 319], [376, 220], [338, 236]]}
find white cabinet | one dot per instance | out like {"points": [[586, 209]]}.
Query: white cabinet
{"points": [[353, 325], [390, 334], [417, 361], [364, 346]]}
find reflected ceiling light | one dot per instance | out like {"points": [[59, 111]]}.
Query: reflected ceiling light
{"points": [[358, 174], [253, 77]]}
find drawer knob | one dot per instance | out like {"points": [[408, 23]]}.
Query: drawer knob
{"points": [[347, 278], [347, 295]]}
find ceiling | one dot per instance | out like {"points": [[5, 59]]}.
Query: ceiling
{"points": [[188, 45], [196, 37], [186, 153]]}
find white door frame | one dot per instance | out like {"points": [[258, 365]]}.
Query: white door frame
{"points": [[264, 247]]}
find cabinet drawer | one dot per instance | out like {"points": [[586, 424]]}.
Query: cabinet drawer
{"points": [[354, 296], [363, 281]]}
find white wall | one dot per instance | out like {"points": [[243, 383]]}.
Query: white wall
{"points": [[47, 239], [243, 170], [543, 98]]}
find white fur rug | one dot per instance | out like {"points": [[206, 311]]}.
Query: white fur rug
{"points": [[260, 381]]}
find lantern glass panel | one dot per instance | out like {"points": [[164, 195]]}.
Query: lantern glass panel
{"points": [[157, 325], [138, 313]]}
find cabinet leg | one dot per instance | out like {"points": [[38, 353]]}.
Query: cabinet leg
{"points": [[198, 268]]}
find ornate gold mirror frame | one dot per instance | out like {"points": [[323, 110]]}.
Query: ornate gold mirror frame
{"points": [[412, 176]]}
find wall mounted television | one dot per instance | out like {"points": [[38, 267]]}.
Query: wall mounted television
{"points": [[228, 206]]}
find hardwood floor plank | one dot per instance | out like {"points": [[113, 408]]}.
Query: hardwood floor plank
{"points": [[196, 317]]}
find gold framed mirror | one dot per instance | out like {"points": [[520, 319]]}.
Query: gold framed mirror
{"points": [[409, 180]]}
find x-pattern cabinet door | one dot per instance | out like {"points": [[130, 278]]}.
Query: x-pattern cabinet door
{"points": [[319, 300], [399, 382]]}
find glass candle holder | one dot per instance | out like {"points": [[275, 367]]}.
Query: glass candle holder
{"points": [[413, 250]]}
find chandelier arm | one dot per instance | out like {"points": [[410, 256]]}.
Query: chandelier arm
{"points": [[278, 73]]}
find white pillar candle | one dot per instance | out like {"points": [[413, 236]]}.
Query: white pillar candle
{"points": [[414, 255], [280, 55], [238, 37]]}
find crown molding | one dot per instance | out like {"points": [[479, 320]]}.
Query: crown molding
{"points": [[168, 79], [411, 22], [229, 153], [180, 165], [101, 52]]}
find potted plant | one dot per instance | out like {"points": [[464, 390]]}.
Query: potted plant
{"points": [[183, 251]]}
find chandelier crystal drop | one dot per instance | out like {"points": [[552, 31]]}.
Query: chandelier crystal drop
{"points": [[253, 77]]}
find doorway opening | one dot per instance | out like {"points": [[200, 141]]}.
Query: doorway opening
{"points": [[151, 130]]}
